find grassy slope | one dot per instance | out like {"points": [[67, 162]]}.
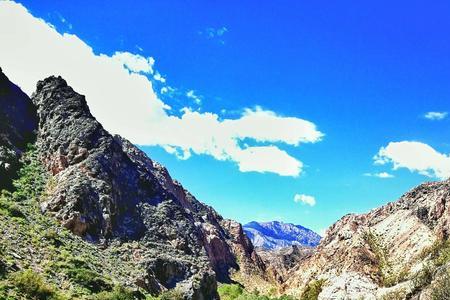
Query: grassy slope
{"points": [[40, 259]]}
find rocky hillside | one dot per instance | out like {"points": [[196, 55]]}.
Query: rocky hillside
{"points": [[110, 194], [18, 123], [397, 251], [281, 261], [276, 235], [87, 215]]}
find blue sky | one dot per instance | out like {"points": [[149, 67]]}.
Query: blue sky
{"points": [[365, 74]]}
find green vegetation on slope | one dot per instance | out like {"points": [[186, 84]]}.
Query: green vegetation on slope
{"points": [[435, 271], [388, 276], [313, 290], [237, 292], [40, 259]]}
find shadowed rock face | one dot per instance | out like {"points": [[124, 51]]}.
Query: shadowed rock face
{"points": [[107, 190], [281, 261], [18, 123]]}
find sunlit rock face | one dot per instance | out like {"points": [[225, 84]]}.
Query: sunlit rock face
{"points": [[377, 254]]}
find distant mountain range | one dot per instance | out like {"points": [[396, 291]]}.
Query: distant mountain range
{"points": [[276, 234]]}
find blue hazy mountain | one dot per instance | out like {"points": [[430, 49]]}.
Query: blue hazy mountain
{"points": [[276, 234]]}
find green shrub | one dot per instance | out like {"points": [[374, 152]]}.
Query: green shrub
{"points": [[399, 294], [32, 177], [441, 289], [443, 254], [89, 279], [286, 297], [82, 274], [171, 295], [439, 255], [439, 252], [252, 296], [119, 293], [3, 269], [237, 292], [422, 278], [33, 286], [8, 207], [229, 291], [312, 290], [52, 236]]}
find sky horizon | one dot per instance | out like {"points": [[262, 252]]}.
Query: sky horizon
{"points": [[296, 112]]}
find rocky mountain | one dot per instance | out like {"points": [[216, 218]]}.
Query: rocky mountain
{"points": [[276, 235], [87, 215], [105, 190], [18, 123], [281, 261], [398, 251]]}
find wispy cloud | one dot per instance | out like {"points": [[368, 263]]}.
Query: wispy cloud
{"points": [[191, 95], [120, 90], [436, 115], [416, 157], [305, 199], [383, 175], [64, 21], [159, 78], [214, 33]]}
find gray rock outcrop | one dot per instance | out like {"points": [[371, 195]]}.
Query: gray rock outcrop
{"points": [[108, 191]]}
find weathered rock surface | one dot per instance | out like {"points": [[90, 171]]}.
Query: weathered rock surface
{"points": [[276, 235], [249, 261], [18, 122], [279, 262], [106, 190], [367, 255]]}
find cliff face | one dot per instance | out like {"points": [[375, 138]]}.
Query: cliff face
{"points": [[279, 262], [107, 191], [382, 252], [18, 123]]}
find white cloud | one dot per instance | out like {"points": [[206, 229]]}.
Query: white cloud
{"points": [[416, 157], [216, 34], [383, 175], [267, 159], [305, 199], [122, 97], [191, 94], [159, 78], [212, 32], [136, 63], [436, 115], [167, 90]]}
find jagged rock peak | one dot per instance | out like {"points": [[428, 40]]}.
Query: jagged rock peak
{"points": [[107, 190]]}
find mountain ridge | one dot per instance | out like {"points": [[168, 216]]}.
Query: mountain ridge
{"points": [[91, 213], [107, 191], [277, 234]]}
